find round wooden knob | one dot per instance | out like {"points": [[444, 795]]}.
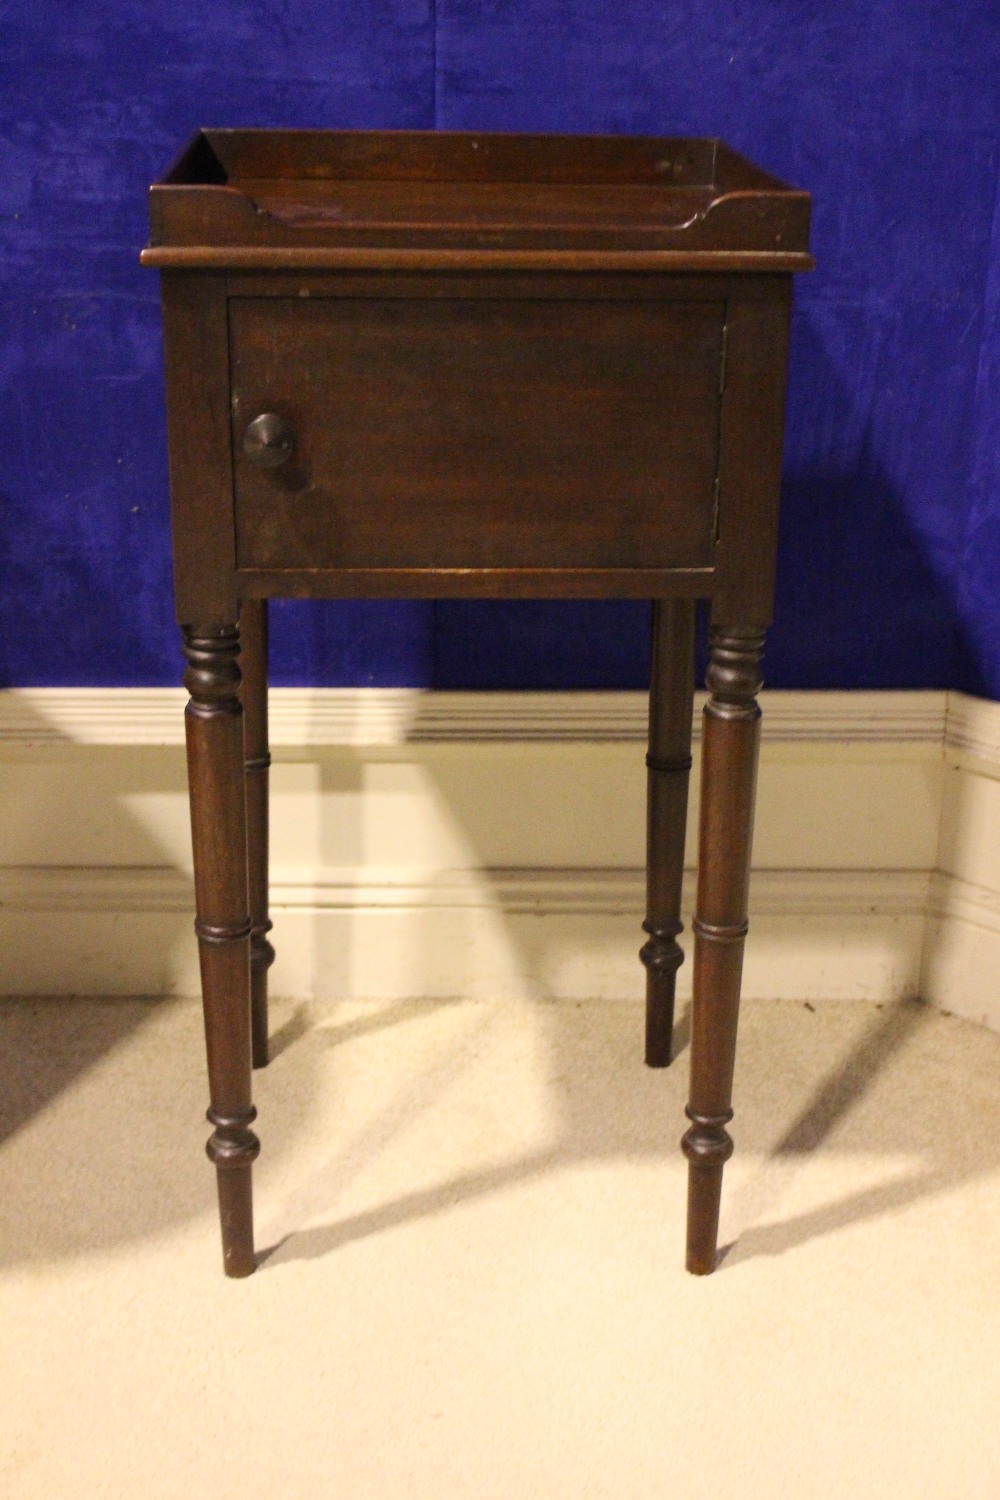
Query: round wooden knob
{"points": [[268, 440]]}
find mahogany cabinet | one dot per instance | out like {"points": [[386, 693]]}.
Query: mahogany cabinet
{"points": [[468, 365]]}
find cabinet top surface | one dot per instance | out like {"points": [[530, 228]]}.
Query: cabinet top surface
{"points": [[315, 198]]}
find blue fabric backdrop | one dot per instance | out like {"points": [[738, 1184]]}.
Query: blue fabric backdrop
{"points": [[888, 111]]}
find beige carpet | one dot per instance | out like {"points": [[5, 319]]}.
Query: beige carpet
{"points": [[474, 1288]]}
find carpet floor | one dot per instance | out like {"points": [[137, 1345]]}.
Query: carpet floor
{"points": [[471, 1219]]}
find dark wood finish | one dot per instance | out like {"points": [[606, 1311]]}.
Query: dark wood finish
{"points": [[201, 479], [473, 583], [752, 423], [284, 198], [464, 365], [257, 765], [253, 258], [214, 725], [495, 434], [668, 770], [568, 282], [730, 742]]}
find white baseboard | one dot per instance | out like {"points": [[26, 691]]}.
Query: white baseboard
{"points": [[521, 933], [491, 845], [305, 718]]}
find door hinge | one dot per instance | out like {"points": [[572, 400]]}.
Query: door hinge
{"points": [[716, 495]]}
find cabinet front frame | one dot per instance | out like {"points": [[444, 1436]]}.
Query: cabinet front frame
{"points": [[208, 580]]}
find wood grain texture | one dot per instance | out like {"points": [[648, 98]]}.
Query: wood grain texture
{"points": [[201, 482], [332, 258], [214, 724], [474, 583], [463, 157], [427, 365], [481, 434], [282, 198], [729, 752], [668, 770], [566, 284], [753, 414], [257, 767]]}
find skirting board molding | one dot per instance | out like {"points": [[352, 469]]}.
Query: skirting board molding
{"points": [[489, 844], [510, 933], [305, 718]]}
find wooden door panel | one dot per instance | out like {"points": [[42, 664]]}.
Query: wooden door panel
{"points": [[478, 433]]}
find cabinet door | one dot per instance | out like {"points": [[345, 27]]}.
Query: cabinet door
{"points": [[478, 433]]}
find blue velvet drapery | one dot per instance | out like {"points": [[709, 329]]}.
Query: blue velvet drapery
{"points": [[888, 111]]}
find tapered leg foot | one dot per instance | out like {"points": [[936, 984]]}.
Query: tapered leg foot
{"points": [[235, 1185], [258, 1000], [704, 1199], [668, 763], [730, 744], [660, 1022], [708, 1147]]}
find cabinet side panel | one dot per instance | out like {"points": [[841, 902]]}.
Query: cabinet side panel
{"points": [[753, 411], [196, 355]]}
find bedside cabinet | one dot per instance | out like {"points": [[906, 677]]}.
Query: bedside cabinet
{"points": [[475, 366]]}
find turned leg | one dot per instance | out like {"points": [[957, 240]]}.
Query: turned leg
{"points": [[671, 698], [731, 737], [253, 661], [214, 724]]}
